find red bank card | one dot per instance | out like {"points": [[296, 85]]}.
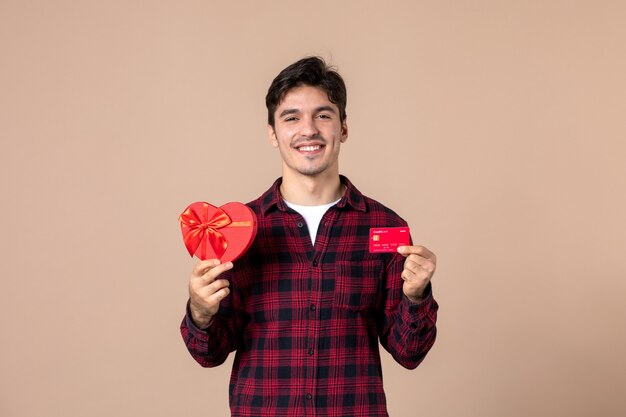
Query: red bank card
{"points": [[387, 239]]}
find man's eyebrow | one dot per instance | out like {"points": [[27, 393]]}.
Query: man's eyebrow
{"points": [[288, 111], [325, 108]]}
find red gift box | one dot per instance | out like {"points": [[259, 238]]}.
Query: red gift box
{"points": [[223, 233]]}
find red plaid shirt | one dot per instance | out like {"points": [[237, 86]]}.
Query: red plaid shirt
{"points": [[305, 320]]}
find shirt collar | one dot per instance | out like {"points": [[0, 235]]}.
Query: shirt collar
{"points": [[352, 197]]}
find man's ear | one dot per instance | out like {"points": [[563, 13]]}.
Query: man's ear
{"points": [[344, 131], [271, 133]]}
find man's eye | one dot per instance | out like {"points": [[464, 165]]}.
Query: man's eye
{"points": [[289, 119], [324, 116]]}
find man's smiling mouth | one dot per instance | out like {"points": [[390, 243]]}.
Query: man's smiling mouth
{"points": [[309, 148]]}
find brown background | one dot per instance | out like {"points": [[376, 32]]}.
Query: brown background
{"points": [[496, 128]]}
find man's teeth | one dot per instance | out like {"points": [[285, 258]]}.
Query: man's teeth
{"points": [[309, 148]]}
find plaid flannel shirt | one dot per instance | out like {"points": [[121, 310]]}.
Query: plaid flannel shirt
{"points": [[306, 321]]}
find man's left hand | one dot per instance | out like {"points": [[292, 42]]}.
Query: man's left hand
{"points": [[419, 267]]}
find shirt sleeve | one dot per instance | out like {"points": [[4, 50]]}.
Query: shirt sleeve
{"points": [[407, 331], [212, 346]]}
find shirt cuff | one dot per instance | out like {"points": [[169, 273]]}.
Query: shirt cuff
{"points": [[416, 311]]}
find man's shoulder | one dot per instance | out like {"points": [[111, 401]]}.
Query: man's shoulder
{"points": [[382, 213], [257, 204], [369, 208]]}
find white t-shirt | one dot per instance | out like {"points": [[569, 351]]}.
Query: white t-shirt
{"points": [[312, 215]]}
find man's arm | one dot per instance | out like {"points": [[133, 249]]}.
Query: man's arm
{"points": [[209, 335], [408, 327]]}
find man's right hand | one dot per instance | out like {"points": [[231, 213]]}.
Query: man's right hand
{"points": [[206, 290]]}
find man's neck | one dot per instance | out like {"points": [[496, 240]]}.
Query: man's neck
{"points": [[311, 190]]}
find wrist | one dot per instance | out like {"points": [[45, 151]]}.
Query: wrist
{"points": [[201, 321], [415, 300]]}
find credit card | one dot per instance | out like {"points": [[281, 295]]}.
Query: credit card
{"points": [[387, 239]]}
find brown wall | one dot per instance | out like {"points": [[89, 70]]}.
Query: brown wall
{"points": [[496, 128]]}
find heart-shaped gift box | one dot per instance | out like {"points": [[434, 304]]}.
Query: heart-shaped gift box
{"points": [[223, 233]]}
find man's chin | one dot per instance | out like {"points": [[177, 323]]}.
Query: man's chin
{"points": [[312, 171]]}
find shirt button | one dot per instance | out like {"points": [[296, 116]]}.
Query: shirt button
{"points": [[315, 262], [309, 397], [313, 307], [300, 224], [311, 351]]}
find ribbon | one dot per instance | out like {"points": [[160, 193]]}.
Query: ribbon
{"points": [[203, 231]]}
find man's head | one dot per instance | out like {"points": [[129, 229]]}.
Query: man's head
{"points": [[307, 118], [311, 71]]}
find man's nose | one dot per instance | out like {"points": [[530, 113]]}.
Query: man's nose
{"points": [[309, 127]]}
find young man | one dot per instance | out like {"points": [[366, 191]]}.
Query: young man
{"points": [[306, 306]]}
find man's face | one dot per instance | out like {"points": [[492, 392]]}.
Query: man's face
{"points": [[307, 132]]}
